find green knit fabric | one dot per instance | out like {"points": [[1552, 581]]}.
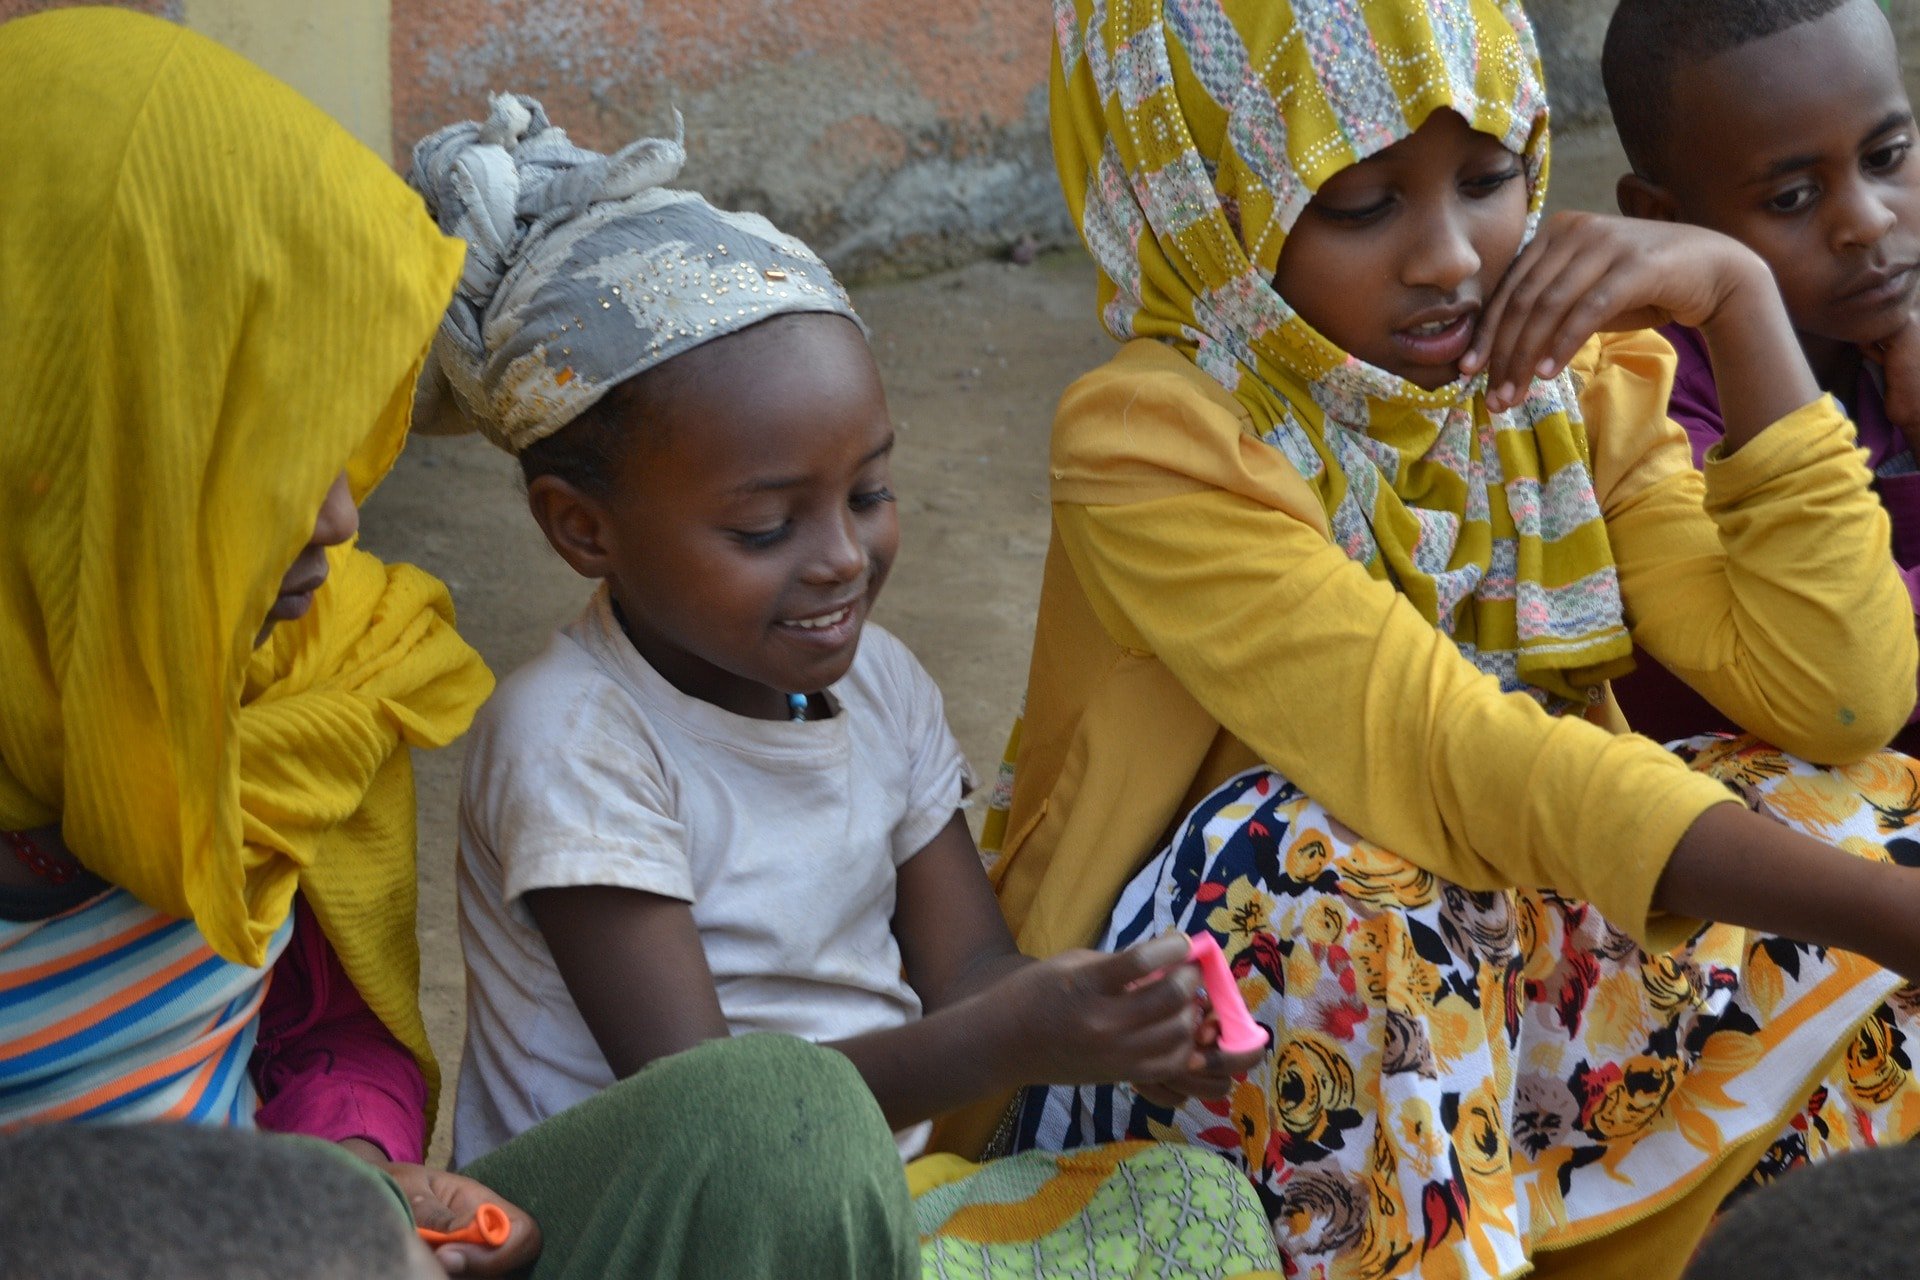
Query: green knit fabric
{"points": [[756, 1156]]}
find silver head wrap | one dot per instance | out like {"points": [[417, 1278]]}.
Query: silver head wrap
{"points": [[582, 271]]}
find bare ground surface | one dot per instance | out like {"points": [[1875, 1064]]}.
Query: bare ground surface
{"points": [[974, 361]]}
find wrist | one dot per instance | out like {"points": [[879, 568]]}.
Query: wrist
{"points": [[1887, 915], [1016, 1043], [1012, 1027], [367, 1150], [1747, 289], [1759, 366]]}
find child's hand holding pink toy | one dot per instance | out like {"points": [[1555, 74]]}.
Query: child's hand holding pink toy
{"points": [[1228, 1042], [1239, 1033], [1095, 1017]]}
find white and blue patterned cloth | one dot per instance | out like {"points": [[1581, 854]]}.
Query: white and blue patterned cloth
{"points": [[114, 1013]]}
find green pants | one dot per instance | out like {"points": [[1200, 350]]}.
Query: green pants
{"points": [[757, 1156]]}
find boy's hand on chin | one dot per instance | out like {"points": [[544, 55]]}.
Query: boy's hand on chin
{"points": [[1586, 274], [1899, 360]]}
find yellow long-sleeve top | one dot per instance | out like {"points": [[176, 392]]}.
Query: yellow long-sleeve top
{"points": [[1195, 620]]}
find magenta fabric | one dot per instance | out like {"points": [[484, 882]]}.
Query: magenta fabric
{"points": [[324, 1065], [1656, 702]]}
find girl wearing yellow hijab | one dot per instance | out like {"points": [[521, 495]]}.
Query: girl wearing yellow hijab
{"points": [[215, 305], [213, 308], [1343, 558]]}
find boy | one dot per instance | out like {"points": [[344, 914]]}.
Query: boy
{"points": [[1784, 124], [181, 1202], [1848, 1219]]}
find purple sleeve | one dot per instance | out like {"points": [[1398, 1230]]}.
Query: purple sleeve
{"points": [[1900, 495], [325, 1065], [1695, 403]]}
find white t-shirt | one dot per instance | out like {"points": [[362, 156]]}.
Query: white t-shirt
{"points": [[588, 768]]}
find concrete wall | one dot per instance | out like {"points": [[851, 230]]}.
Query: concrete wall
{"points": [[888, 133], [334, 51], [894, 135], [1571, 33]]}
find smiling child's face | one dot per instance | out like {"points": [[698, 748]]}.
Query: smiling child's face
{"points": [[751, 526], [1799, 145], [1396, 255]]}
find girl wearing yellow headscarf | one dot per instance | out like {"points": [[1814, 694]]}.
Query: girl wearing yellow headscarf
{"points": [[216, 303], [213, 308], [1328, 625]]}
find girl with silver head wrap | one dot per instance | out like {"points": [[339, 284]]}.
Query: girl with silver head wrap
{"points": [[719, 802]]}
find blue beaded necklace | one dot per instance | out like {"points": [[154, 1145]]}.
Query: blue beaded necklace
{"points": [[797, 707]]}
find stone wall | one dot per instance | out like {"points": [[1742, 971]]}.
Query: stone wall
{"points": [[895, 135], [890, 134], [1571, 33]]}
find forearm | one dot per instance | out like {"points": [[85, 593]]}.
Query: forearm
{"points": [[324, 1065], [343, 1078], [1279, 635], [367, 1151], [1737, 867], [1081, 1017], [1758, 366], [385, 1112], [979, 976], [939, 1062], [1775, 600]]}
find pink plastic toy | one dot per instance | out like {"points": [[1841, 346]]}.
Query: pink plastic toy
{"points": [[1238, 1031]]}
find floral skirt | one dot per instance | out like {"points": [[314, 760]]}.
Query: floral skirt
{"points": [[1457, 1079]]}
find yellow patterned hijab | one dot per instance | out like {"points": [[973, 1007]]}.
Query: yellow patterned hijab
{"points": [[1189, 135], [212, 301]]}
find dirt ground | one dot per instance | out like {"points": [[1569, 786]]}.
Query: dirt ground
{"points": [[974, 361]]}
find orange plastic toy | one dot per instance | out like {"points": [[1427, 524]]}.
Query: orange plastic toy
{"points": [[490, 1227]]}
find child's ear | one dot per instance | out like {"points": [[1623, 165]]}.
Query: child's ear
{"points": [[1639, 198], [574, 524]]}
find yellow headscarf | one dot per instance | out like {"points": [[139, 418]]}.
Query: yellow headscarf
{"points": [[1189, 134], [212, 301]]}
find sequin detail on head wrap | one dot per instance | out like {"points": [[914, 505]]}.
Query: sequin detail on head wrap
{"points": [[583, 270]]}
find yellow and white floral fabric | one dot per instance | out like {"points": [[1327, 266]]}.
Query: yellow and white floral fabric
{"points": [[1460, 1081]]}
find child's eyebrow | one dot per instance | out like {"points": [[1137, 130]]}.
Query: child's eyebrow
{"points": [[772, 484], [1782, 167], [1892, 120], [1790, 164]]}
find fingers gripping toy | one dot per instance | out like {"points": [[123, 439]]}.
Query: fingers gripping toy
{"points": [[490, 1227], [1238, 1031]]}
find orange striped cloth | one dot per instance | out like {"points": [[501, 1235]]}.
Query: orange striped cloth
{"points": [[112, 1012]]}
